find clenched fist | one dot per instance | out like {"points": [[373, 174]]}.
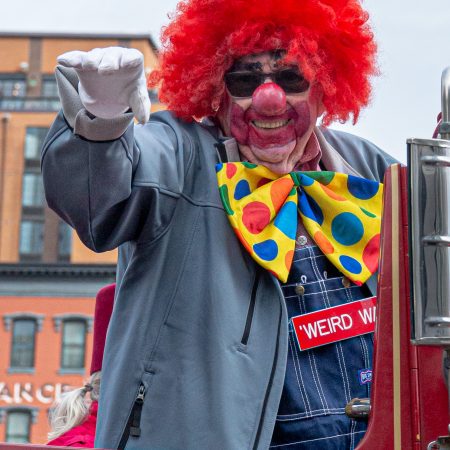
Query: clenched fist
{"points": [[112, 80]]}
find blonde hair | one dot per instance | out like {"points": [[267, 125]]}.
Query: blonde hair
{"points": [[73, 409]]}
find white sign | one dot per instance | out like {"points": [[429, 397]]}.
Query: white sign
{"points": [[20, 393]]}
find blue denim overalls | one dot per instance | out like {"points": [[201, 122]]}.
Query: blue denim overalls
{"points": [[321, 381]]}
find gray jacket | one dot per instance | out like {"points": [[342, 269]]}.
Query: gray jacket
{"points": [[197, 329]]}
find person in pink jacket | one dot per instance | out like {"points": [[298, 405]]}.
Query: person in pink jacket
{"points": [[74, 418]]}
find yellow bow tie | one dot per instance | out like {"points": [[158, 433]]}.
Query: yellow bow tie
{"points": [[342, 214]]}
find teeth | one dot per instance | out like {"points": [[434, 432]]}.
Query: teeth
{"points": [[271, 124]]}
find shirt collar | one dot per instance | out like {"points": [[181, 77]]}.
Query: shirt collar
{"points": [[331, 159]]}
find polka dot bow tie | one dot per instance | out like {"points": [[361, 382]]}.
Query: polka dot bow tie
{"points": [[342, 213]]}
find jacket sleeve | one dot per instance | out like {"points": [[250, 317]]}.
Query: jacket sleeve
{"points": [[111, 180]]}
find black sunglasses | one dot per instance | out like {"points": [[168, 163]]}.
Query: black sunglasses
{"points": [[244, 83]]}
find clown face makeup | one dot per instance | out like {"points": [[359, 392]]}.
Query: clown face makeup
{"points": [[268, 108]]}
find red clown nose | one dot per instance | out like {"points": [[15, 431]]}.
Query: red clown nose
{"points": [[269, 99]]}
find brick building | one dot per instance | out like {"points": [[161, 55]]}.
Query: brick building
{"points": [[48, 279]]}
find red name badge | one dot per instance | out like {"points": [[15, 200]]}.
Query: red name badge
{"points": [[335, 324]]}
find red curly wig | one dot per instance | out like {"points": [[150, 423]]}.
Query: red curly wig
{"points": [[330, 40]]}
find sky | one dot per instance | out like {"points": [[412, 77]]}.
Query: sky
{"points": [[413, 38]]}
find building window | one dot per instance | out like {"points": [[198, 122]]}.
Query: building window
{"points": [[64, 242], [33, 142], [73, 344], [31, 239], [12, 85], [49, 87], [73, 328], [33, 190], [23, 344], [13, 89], [23, 327], [18, 425], [33, 202], [43, 236], [13, 94], [50, 97]]}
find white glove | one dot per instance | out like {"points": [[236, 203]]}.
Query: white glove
{"points": [[112, 80]]}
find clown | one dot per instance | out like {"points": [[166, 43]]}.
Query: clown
{"points": [[201, 351]]}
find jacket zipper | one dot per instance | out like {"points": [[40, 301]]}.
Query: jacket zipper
{"points": [[251, 309], [274, 365], [133, 427]]}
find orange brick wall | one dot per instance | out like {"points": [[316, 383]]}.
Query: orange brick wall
{"points": [[47, 356], [150, 58], [13, 51], [51, 48], [81, 254], [12, 179]]}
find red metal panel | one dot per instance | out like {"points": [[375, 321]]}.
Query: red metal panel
{"points": [[433, 408], [382, 384], [423, 409]]}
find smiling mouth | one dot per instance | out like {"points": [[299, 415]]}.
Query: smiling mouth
{"points": [[270, 124]]}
